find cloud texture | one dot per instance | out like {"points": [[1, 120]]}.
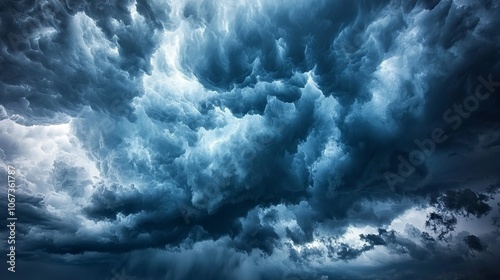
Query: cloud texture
{"points": [[253, 139]]}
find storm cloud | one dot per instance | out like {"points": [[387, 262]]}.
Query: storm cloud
{"points": [[252, 139]]}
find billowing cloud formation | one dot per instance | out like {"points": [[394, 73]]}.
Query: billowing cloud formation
{"points": [[253, 140]]}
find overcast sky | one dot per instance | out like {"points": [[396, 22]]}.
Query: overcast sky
{"points": [[251, 140]]}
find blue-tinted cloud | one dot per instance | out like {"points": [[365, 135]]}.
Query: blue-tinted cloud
{"points": [[258, 134]]}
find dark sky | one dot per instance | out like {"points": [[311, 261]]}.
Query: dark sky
{"points": [[251, 139]]}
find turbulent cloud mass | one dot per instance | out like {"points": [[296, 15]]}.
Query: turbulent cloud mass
{"points": [[251, 140]]}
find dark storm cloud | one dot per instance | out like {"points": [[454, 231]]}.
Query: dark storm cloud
{"points": [[337, 187], [474, 243], [373, 239], [453, 204], [213, 263], [441, 223], [70, 179], [285, 41], [463, 201], [109, 201], [256, 235], [389, 239], [346, 253], [51, 66], [303, 106]]}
